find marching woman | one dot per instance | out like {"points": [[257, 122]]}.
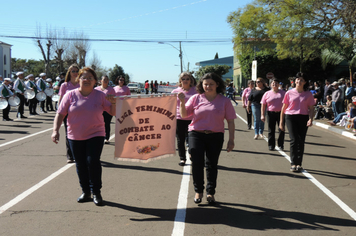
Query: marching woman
{"points": [[86, 131], [105, 88], [297, 112], [245, 95], [185, 86], [273, 101], [209, 108], [69, 84], [121, 89], [254, 102]]}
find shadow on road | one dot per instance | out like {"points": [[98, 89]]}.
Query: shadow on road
{"points": [[141, 168], [241, 216]]}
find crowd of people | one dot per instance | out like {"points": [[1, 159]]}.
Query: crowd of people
{"points": [[202, 109]]}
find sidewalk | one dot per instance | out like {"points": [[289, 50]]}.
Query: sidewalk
{"points": [[336, 129]]}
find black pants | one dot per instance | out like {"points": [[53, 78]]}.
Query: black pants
{"points": [[42, 105], [181, 134], [297, 128], [205, 150], [32, 105], [22, 103], [87, 158], [107, 120], [273, 118], [49, 105], [68, 150], [249, 118], [5, 112]]}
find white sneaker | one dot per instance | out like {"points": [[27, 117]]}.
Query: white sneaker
{"points": [[256, 137], [261, 136]]}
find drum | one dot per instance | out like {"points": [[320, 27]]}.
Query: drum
{"points": [[3, 103], [14, 101], [29, 94], [41, 96], [49, 91], [55, 97]]}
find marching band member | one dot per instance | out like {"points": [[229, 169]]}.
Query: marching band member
{"points": [[69, 84], [20, 87], [42, 84], [49, 105], [33, 102], [5, 92]]}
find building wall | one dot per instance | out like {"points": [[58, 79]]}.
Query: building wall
{"points": [[5, 66]]}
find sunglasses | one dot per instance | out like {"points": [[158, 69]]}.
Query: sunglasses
{"points": [[121, 80], [258, 81], [75, 71], [185, 79]]}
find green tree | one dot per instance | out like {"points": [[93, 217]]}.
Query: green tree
{"points": [[116, 71], [218, 69], [216, 57]]}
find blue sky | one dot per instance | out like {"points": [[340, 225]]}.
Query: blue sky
{"points": [[158, 20]]}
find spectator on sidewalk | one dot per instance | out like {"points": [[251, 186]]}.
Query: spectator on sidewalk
{"points": [[336, 99]]}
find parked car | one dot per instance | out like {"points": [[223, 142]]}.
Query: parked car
{"points": [[135, 87]]}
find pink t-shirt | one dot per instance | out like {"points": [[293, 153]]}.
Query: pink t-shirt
{"points": [[121, 91], [273, 100], [246, 94], [187, 94], [298, 103], [109, 90], [209, 115], [67, 86], [85, 114]]}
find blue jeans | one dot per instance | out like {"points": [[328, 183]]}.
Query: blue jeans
{"points": [[339, 117], [87, 159], [257, 122], [337, 108]]}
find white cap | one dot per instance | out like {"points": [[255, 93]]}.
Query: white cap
{"points": [[7, 79], [30, 75], [42, 74], [37, 78], [49, 80], [58, 79], [19, 73]]}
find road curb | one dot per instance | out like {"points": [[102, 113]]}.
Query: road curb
{"points": [[335, 130]]}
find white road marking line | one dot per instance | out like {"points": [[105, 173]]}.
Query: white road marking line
{"points": [[328, 193], [23, 195], [179, 220], [28, 136]]}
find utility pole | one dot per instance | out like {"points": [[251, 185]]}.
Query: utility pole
{"points": [[181, 57]]}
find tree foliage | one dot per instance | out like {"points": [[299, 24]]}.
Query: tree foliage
{"points": [[218, 69], [117, 71]]}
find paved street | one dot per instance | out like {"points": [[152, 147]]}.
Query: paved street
{"points": [[257, 193]]}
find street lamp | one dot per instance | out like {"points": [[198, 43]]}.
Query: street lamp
{"points": [[180, 53]]}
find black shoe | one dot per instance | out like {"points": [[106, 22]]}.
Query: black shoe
{"points": [[36, 114], [22, 116], [7, 119], [198, 200], [182, 163], [281, 148], [271, 148], [85, 197], [97, 199], [44, 111]]}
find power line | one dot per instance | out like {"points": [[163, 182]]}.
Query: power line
{"points": [[121, 40]]}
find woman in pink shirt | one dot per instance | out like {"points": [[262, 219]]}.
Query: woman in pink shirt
{"points": [[298, 112], [105, 88], [121, 89], [69, 84], [185, 86], [272, 100], [245, 95], [86, 131], [209, 108]]}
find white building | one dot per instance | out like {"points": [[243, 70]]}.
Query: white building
{"points": [[5, 60]]}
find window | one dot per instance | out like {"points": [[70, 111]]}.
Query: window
{"points": [[4, 59]]}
